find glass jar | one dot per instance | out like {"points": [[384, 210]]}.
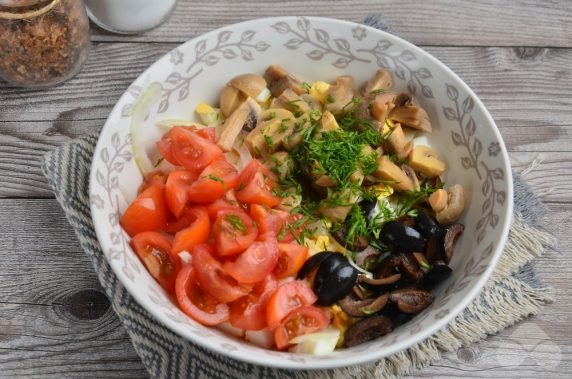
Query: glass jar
{"points": [[42, 42]]}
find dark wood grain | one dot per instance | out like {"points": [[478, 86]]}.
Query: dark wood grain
{"points": [[45, 334], [475, 23]]}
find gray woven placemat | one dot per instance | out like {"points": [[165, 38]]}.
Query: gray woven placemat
{"points": [[513, 292]]}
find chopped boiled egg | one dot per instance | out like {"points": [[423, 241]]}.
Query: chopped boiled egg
{"points": [[263, 96], [322, 342], [322, 243], [320, 91], [208, 114]]}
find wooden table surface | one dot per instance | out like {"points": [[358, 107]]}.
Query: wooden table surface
{"points": [[55, 320]]}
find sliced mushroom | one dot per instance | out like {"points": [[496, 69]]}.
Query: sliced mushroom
{"points": [[312, 102], [279, 80], [411, 116], [269, 135], [230, 98], [366, 257], [380, 81], [358, 292], [455, 205], [410, 269], [290, 100], [340, 94], [327, 123], [250, 84], [387, 170], [367, 329], [379, 281], [434, 251], [361, 308], [246, 115], [438, 200], [382, 106], [395, 139], [281, 164], [411, 175], [410, 300], [389, 266], [451, 237], [407, 149], [424, 159]]}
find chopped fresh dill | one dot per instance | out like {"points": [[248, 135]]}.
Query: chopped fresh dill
{"points": [[236, 222], [378, 91], [306, 86], [271, 116], [330, 99], [283, 127], [159, 162], [216, 179]]}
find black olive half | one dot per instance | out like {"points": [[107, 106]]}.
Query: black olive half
{"points": [[427, 226], [313, 262], [402, 237], [334, 279]]}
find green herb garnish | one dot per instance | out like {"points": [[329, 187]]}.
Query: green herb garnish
{"points": [[236, 222]]}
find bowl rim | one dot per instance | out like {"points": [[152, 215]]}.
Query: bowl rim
{"points": [[336, 361]]}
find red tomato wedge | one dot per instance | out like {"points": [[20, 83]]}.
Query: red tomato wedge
{"points": [[256, 262], [165, 147], [249, 312], [213, 279], [300, 321], [196, 233], [155, 252], [217, 178], [207, 133], [191, 150], [268, 220], [255, 186], [219, 205], [293, 228], [291, 259], [147, 213], [176, 190], [288, 297], [158, 178], [233, 232], [195, 302]]}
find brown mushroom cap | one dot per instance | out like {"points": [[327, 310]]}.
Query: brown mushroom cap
{"points": [[229, 99], [379, 281], [361, 308], [367, 329], [249, 84], [451, 237], [410, 300]]}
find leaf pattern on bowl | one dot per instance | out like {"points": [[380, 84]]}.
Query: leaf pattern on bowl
{"points": [[465, 136], [322, 45]]}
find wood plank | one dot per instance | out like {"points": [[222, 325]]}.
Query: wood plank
{"points": [[46, 327], [482, 23]]}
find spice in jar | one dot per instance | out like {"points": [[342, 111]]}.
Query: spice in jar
{"points": [[43, 43]]}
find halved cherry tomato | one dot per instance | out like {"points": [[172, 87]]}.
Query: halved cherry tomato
{"points": [[191, 150], [196, 233], [176, 190], [158, 178], [249, 312], [255, 186], [288, 297], [165, 147], [256, 262], [233, 232], [213, 278], [217, 178], [267, 219], [207, 133], [195, 302], [176, 225], [155, 252], [291, 260], [293, 228], [219, 205], [300, 321], [147, 213]]}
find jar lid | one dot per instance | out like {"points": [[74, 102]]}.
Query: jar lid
{"points": [[24, 9]]}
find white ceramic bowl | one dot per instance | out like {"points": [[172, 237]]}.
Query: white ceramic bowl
{"points": [[464, 135]]}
